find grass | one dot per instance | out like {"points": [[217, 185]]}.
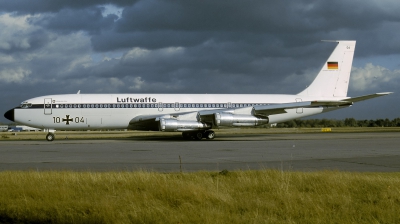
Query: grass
{"points": [[8, 136], [265, 196]]}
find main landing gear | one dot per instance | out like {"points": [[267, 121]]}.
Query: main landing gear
{"points": [[50, 137], [198, 135]]}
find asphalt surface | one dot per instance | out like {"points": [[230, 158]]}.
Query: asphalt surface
{"points": [[364, 152]]}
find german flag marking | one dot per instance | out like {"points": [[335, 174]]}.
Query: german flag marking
{"points": [[333, 65]]}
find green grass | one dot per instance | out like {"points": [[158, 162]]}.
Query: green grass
{"points": [[266, 196]]}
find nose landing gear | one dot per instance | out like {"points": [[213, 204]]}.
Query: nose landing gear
{"points": [[50, 137]]}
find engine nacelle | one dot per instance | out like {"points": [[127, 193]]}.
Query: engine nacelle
{"points": [[238, 120], [178, 125]]}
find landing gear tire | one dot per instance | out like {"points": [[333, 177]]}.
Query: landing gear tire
{"points": [[50, 137], [209, 134], [198, 135]]}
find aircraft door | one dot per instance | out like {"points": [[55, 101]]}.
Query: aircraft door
{"points": [[160, 106], [48, 106], [177, 107], [300, 109]]}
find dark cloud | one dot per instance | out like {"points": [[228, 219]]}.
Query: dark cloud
{"points": [[159, 24], [253, 16], [22, 7], [151, 40], [68, 20], [21, 42]]}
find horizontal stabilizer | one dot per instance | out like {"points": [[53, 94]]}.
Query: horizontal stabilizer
{"points": [[331, 103], [367, 97]]}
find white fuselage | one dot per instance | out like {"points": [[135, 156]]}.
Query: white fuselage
{"points": [[115, 111]]}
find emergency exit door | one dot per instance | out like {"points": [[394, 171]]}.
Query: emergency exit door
{"points": [[300, 109], [48, 106]]}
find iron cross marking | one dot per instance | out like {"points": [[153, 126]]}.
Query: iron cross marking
{"points": [[67, 119]]}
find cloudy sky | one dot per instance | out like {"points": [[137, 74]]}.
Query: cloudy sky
{"points": [[198, 46]]}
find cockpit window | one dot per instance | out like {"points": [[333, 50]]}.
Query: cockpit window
{"points": [[26, 105]]}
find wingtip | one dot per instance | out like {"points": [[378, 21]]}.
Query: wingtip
{"points": [[385, 93]]}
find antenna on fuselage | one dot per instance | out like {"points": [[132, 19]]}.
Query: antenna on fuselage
{"points": [[79, 92]]}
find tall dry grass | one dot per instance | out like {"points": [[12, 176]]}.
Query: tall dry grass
{"points": [[267, 196]]}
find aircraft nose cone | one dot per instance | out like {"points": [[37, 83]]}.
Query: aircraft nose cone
{"points": [[9, 115]]}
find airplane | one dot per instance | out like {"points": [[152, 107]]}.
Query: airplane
{"points": [[195, 115]]}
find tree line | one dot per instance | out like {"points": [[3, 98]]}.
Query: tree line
{"points": [[330, 123]]}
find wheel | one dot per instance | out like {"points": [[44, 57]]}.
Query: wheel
{"points": [[198, 135], [50, 137], [209, 134]]}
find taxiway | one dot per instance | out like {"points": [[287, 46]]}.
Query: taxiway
{"points": [[365, 152]]}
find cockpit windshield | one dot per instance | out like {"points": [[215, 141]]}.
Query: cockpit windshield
{"points": [[25, 105]]}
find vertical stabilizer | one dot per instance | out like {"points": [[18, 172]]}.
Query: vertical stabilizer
{"points": [[333, 79]]}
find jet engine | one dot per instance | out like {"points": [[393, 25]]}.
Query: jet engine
{"points": [[182, 125], [238, 120]]}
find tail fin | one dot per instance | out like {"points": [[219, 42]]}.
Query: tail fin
{"points": [[333, 79]]}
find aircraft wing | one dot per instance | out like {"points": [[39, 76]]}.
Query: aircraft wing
{"points": [[144, 122], [151, 122]]}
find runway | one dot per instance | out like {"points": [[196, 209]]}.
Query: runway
{"points": [[365, 152]]}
